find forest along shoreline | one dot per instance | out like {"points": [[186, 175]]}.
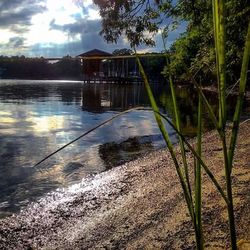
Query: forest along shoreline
{"points": [[137, 205]]}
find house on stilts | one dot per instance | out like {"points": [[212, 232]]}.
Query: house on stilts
{"points": [[103, 67]]}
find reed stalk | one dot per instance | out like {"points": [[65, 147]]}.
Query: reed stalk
{"points": [[193, 151], [187, 194], [219, 37], [199, 238], [219, 34], [228, 154], [177, 119], [230, 208], [239, 104], [207, 105], [197, 225]]}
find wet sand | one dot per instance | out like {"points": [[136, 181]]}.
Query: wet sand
{"points": [[138, 205]]}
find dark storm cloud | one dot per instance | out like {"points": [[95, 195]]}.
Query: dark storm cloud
{"points": [[22, 16], [10, 4], [6, 5], [16, 15], [16, 42], [88, 41], [81, 26]]}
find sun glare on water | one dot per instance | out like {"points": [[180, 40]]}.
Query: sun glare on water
{"points": [[47, 123]]}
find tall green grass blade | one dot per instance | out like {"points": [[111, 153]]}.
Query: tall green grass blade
{"points": [[219, 34], [230, 208], [177, 120], [198, 186], [205, 167], [228, 155], [238, 109], [165, 135], [208, 106]]}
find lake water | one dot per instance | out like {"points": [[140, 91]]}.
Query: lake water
{"points": [[38, 117]]}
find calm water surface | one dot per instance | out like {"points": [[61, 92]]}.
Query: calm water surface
{"points": [[38, 117]]}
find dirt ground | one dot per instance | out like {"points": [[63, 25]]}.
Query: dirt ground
{"points": [[138, 205]]}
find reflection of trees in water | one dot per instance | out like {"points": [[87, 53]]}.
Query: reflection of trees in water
{"points": [[23, 92], [69, 93], [114, 154], [91, 99], [102, 97], [187, 99]]}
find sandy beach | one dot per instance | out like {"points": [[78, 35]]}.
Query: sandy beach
{"points": [[138, 205]]}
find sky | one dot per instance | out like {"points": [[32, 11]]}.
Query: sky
{"points": [[55, 28]]}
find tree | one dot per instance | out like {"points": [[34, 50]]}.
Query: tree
{"points": [[121, 52], [130, 18], [194, 51]]}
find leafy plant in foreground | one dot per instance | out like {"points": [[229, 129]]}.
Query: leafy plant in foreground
{"points": [[220, 125]]}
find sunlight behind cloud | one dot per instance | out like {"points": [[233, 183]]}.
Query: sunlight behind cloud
{"points": [[93, 14], [40, 33], [84, 3], [5, 36], [60, 12]]}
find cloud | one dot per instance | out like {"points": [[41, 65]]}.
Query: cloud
{"points": [[83, 36], [15, 46], [53, 29], [81, 26], [16, 42], [16, 15], [19, 21], [75, 47], [6, 5]]}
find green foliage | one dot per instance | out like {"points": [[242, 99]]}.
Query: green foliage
{"points": [[24, 68], [153, 66], [191, 54], [194, 51], [138, 20], [121, 52], [67, 68], [181, 54]]}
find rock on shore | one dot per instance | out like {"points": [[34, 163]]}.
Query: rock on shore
{"points": [[138, 205]]}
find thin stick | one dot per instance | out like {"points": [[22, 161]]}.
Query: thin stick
{"points": [[87, 132]]}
